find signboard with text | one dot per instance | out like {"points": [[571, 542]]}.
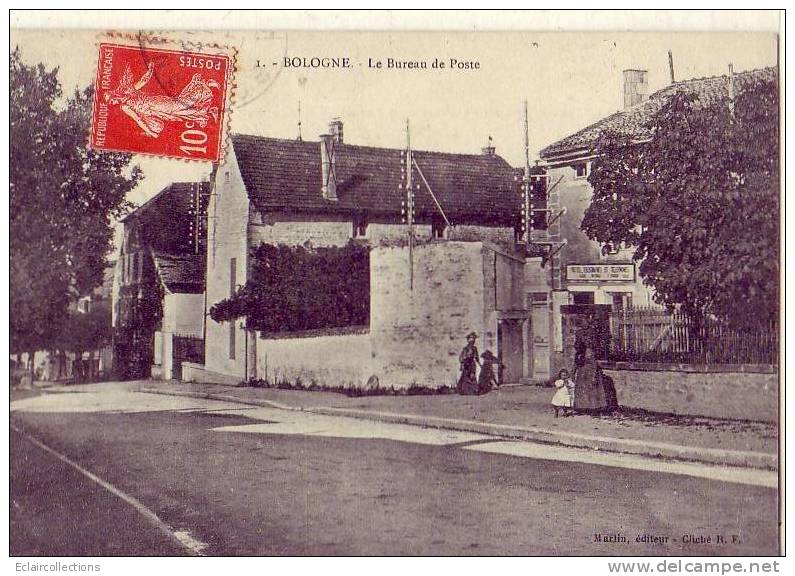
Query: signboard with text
{"points": [[600, 272]]}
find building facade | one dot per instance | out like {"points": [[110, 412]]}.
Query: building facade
{"points": [[158, 287], [588, 272], [464, 272]]}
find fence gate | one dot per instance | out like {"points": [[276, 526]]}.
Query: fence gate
{"points": [[186, 349]]}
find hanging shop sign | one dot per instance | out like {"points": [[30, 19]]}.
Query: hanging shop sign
{"points": [[600, 272]]}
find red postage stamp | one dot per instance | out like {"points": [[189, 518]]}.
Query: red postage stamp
{"points": [[161, 102]]}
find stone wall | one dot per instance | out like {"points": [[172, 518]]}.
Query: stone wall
{"points": [[325, 229], [336, 360], [416, 335], [737, 392], [298, 229], [183, 314]]}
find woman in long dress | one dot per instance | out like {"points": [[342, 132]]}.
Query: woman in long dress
{"points": [[590, 388], [469, 359]]}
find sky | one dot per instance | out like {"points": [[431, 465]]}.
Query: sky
{"points": [[569, 80]]}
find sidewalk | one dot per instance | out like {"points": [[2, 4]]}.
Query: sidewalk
{"points": [[524, 412]]}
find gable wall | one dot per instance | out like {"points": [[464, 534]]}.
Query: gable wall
{"points": [[227, 238]]}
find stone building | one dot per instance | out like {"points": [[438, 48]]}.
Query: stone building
{"points": [[587, 272], [158, 285], [466, 273]]}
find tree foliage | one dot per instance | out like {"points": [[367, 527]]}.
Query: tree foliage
{"points": [[63, 198], [298, 288], [699, 203], [86, 331]]}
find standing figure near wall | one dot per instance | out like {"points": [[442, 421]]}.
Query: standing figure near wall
{"points": [[487, 380], [593, 390], [469, 359]]}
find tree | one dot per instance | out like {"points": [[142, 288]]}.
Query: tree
{"points": [[293, 288], [699, 203], [63, 198]]}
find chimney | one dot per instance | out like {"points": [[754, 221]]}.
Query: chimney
{"points": [[328, 166], [488, 150], [335, 129], [636, 87]]}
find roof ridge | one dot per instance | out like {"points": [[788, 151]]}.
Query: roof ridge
{"points": [[581, 138], [368, 147], [163, 192], [683, 83]]}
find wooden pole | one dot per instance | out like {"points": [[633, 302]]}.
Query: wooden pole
{"points": [[731, 91], [410, 204], [671, 66], [528, 206], [197, 207]]}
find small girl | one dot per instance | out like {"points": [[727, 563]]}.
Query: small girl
{"points": [[564, 396], [487, 380]]}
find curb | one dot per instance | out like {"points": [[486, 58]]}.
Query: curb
{"points": [[738, 458]]}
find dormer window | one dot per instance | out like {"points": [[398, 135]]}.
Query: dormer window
{"points": [[359, 226]]}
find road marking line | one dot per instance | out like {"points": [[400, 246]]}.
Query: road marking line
{"points": [[150, 516]]}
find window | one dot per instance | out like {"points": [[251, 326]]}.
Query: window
{"points": [[583, 297], [232, 290], [610, 249], [438, 226], [581, 169], [621, 300], [539, 298], [136, 267], [359, 226]]}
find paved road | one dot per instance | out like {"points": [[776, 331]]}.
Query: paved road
{"points": [[215, 478]]}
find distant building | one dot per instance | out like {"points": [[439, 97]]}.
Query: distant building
{"points": [[468, 274], [158, 289], [587, 272]]}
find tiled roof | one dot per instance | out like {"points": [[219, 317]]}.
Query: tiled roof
{"points": [[168, 221], [174, 197], [181, 273], [286, 174], [633, 120]]}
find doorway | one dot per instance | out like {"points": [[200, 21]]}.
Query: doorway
{"points": [[510, 350], [540, 313]]}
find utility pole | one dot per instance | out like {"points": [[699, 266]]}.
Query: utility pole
{"points": [[410, 204], [197, 205], [671, 66], [300, 138], [731, 91], [528, 207]]}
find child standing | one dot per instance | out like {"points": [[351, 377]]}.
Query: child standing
{"points": [[487, 380], [564, 396]]}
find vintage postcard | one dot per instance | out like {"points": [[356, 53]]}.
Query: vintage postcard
{"points": [[277, 291]]}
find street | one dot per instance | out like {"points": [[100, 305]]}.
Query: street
{"points": [[104, 470]]}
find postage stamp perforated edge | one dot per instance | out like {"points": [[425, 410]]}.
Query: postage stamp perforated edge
{"points": [[178, 41]]}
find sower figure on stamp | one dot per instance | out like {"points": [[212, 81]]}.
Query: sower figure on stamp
{"points": [[469, 359], [150, 112]]}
